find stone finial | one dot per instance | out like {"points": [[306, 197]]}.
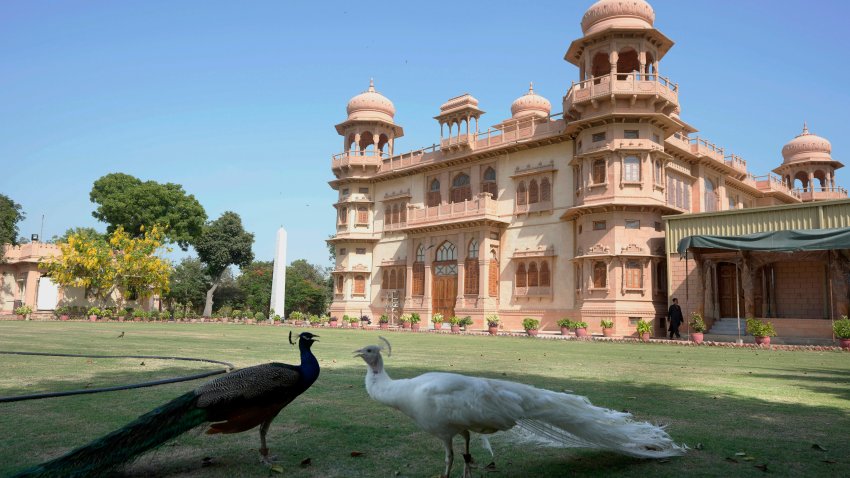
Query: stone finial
{"points": [[371, 85]]}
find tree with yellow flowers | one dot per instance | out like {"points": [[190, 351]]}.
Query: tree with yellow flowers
{"points": [[102, 265]]}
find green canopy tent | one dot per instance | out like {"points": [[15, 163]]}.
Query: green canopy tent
{"points": [[776, 241]]}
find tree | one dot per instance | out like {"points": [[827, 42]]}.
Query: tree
{"points": [[124, 263], [188, 282], [306, 288], [80, 231], [223, 243], [127, 201], [10, 216], [256, 283]]}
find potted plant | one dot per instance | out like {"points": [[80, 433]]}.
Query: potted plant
{"points": [[454, 322], [565, 325], [364, 321], [414, 322], [698, 327], [352, 321], [384, 322], [63, 312], [404, 320], [644, 329], [138, 315], [531, 326], [93, 313], [762, 331], [334, 321], [437, 319], [466, 322], [260, 317], [841, 328], [153, 315], [23, 312], [580, 328], [492, 324], [607, 327]]}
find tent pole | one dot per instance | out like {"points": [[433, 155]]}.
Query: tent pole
{"points": [[738, 302], [829, 285]]}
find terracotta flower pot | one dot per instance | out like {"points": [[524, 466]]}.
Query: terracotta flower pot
{"points": [[363, 324], [581, 332], [532, 332], [494, 330], [405, 325], [415, 327], [93, 318], [438, 325], [334, 323], [565, 331], [763, 340], [455, 329], [120, 319], [697, 337], [608, 332], [22, 317], [644, 337], [385, 325], [845, 343], [63, 317]]}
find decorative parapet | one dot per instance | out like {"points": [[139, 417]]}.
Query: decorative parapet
{"points": [[529, 169], [358, 158], [392, 196], [540, 251], [394, 262], [481, 207], [607, 86], [33, 252], [631, 249]]}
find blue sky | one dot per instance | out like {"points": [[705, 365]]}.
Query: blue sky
{"points": [[237, 101]]}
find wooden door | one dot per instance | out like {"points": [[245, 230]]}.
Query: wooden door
{"points": [[443, 295], [726, 281]]}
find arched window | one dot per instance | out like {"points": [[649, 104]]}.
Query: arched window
{"points": [[396, 214], [401, 278], [627, 62], [460, 188], [385, 282], [446, 252], [360, 285], [600, 275], [545, 278], [521, 194], [388, 215], [419, 272], [631, 169], [393, 283], [343, 215], [471, 273], [533, 278], [598, 171], [362, 215], [434, 193], [634, 275], [493, 275], [472, 251], [545, 190], [711, 198], [488, 184], [533, 192], [339, 284], [521, 276]]}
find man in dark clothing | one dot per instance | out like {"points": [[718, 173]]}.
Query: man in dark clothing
{"points": [[676, 319]]}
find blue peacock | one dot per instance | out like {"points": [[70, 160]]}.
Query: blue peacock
{"points": [[233, 403]]}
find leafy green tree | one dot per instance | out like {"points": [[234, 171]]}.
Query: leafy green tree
{"points": [[79, 231], [223, 243], [188, 282], [10, 216], [256, 285], [127, 201], [306, 288], [228, 293]]}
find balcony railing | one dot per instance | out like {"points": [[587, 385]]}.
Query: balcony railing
{"points": [[626, 84], [358, 158], [736, 162], [821, 193], [479, 207], [771, 183]]}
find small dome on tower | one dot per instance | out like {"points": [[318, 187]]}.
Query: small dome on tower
{"points": [[370, 105], [530, 104], [806, 146], [617, 14]]}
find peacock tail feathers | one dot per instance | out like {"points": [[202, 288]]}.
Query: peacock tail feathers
{"points": [[108, 452]]}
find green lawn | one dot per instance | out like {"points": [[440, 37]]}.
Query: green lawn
{"points": [[772, 405]]}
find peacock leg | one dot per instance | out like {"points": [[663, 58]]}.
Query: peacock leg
{"points": [[450, 456], [264, 450], [467, 458]]}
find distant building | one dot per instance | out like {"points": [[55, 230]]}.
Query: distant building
{"points": [[544, 215], [21, 283]]}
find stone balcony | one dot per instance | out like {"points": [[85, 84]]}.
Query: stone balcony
{"points": [[361, 159], [481, 208], [821, 193], [772, 184], [633, 85]]}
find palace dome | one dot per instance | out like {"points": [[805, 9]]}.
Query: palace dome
{"points": [[530, 104], [807, 146], [617, 14], [370, 105]]}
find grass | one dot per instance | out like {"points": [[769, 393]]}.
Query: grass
{"points": [[772, 405]]}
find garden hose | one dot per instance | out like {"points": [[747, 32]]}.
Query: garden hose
{"points": [[17, 398]]}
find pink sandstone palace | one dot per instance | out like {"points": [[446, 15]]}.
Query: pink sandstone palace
{"points": [[546, 215]]}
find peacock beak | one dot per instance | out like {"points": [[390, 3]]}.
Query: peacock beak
{"points": [[358, 353]]}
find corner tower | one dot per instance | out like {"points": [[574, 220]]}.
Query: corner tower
{"points": [[809, 169], [622, 110], [369, 133]]}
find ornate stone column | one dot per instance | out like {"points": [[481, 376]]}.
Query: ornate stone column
{"points": [[708, 288], [747, 282]]}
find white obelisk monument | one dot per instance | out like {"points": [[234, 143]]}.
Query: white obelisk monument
{"points": [[279, 276]]}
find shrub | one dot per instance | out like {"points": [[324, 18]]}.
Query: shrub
{"points": [[314, 319], [414, 318], [455, 320], [24, 310], [492, 320], [530, 324], [259, 316], [276, 318], [579, 325], [237, 314], [568, 323], [352, 320], [606, 323], [643, 327], [94, 311], [138, 314], [384, 319], [295, 315], [404, 319], [466, 321], [365, 318], [696, 323], [758, 328], [437, 318], [841, 328], [226, 311], [179, 314]]}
